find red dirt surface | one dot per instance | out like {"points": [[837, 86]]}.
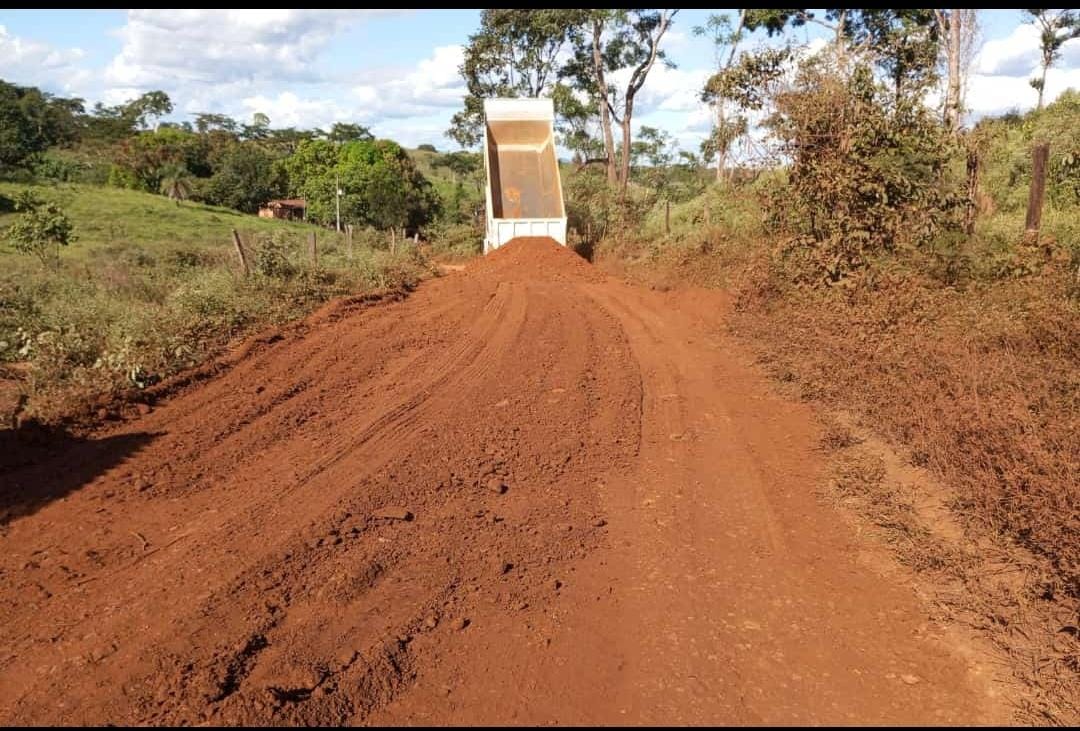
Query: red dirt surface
{"points": [[525, 494]]}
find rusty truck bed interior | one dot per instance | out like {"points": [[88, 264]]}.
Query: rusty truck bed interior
{"points": [[523, 170]]}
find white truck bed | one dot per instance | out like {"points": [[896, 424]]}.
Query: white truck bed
{"points": [[524, 188]]}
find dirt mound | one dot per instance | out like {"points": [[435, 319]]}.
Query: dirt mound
{"points": [[535, 257]]}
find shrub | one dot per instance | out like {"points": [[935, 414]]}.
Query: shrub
{"points": [[41, 229], [272, 256], [868, 171], [457, 239]]}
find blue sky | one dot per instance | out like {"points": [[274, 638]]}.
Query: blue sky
{"points": [[395, 71]]}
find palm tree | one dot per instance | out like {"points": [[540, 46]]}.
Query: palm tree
{"points": [[176, 183]]}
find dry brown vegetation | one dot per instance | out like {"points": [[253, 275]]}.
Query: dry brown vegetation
{"points": [[982, 387]]}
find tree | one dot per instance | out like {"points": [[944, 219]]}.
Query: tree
{"points": [[245, 179], [284, 141], [774, 22], [637, 45], [142, 160], [904, 44], [574, 123], [342, 132], [515, 53], [460, 164], [970, 37], [653, 146], [176, 183], [1056, 27], [32, 121], [427, 147], [959, 28], [612, 41], [588, 69], [41, 229], [745, 86], [206, 121], [259, 129], [866, 174], [382, 186], [725, 38], [151, 105]]}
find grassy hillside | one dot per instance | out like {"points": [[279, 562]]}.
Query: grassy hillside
{"points": [[150, 288], [106, 217]]}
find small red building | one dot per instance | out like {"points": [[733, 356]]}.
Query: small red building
{"points": [[289, 209]]}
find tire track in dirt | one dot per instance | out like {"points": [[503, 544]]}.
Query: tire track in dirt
{"points": [[282, 565], [612, 522]]}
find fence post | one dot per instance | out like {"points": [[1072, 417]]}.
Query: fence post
{"points": [[313, 250], [1038, 190], [240, 252], [972, 191], [667, 217]]}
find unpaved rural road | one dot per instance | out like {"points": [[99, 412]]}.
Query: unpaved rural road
{"points": [[615, 521]]}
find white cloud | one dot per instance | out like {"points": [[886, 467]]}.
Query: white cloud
{"points": [[242, 61], [988, 95], [434, 85], [666, 89], [405, 99], [288, 109], [1002, 68], [39, 64], [1015, 55], [675, 39], [163, 47]]}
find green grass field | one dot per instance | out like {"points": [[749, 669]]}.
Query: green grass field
{"points": [[106, 216], [150, 288]]}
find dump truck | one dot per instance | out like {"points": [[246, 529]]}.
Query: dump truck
{"points": [[524, 188]]}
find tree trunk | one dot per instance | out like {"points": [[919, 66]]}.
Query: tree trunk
{"points": [[840, 29], [953, 98], [1042, 86], [624, 173], [720, 117], [637, 80], [605, 110], [719, 127]]}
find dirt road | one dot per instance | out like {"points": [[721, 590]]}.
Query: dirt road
{"points": [[525, 494]]}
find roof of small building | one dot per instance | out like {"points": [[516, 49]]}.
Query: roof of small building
{"points": [[287, 203]]}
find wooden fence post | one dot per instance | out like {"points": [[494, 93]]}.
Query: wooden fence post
{"points": [[313, 250], [972, 191], [240, 252], [1039, 157], [667, 217]]}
